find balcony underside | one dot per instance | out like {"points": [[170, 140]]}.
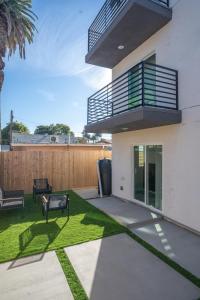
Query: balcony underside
{"points": [[138, 21], [136, 119]]}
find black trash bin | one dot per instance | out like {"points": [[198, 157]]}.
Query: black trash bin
{"points": [[105, 170]]}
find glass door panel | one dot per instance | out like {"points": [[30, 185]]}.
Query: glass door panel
{"points": [[148, 175], [139, 173], [134, 87], [154, 176], [150, 80]]}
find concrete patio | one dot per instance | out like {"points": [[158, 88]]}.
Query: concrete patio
{"points": [[178, 243], [35, 277], [175, 242], [117, 268]]}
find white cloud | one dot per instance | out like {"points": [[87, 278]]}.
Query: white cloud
{"points": [[97, 78], [59, 49]]}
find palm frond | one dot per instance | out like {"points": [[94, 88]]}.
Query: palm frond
{"points": [[18, 20]]}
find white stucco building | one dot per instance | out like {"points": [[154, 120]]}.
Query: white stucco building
{"points": [[152, 107]]}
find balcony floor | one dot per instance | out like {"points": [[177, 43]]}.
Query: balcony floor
{"points": [[138, 21], [136, 119]]}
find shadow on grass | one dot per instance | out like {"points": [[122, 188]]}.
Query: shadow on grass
{"points": [[51, 230], [25, 232], [109, 228]]}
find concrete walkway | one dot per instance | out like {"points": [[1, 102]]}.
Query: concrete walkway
{"points": [[35, 277], [175, 242], [87, 193], [117, 268], [125, 212]]}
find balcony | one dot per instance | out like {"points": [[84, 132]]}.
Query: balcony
{"points": [[145, 96], [123, 25]]}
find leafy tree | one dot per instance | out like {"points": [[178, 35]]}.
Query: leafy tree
{"points": [[56, 129], [16, 126], [61, 129], [42, 129], [93, 138], [16, 28], [86, 135], [81, 140], [96, 137], [72, 134]]}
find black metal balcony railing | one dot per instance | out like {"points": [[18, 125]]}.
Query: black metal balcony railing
{"points": [[143, 85], [109, 11]]}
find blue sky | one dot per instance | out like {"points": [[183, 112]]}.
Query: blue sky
{"points": [[53, 83]]}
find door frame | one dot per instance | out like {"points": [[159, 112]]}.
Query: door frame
{"points": [[149, 55], [144, 204], [143, 59]]}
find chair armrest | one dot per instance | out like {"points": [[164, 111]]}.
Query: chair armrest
{"points": [[44, 200], [13, 194], [45, 203]]}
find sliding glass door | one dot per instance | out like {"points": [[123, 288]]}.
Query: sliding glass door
{"points": [[150, 80], [139, 182], [148, 175], [154, 176], [134, 88]]}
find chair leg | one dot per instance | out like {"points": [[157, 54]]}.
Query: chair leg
{"points": [[46, 216], [68, 211]]}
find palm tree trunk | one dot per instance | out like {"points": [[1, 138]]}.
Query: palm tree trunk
{"points": [[2, 65], [1, 84], [3, 39]]}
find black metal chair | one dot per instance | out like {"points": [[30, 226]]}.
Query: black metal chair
{"points": [[40, 187], [55, 202]]}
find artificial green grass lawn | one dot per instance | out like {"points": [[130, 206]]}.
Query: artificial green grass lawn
{"points": [[24, 231]]}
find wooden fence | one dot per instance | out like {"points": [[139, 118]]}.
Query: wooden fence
{"points": [[65, 170]]}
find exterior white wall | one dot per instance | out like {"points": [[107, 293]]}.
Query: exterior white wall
{"points": [[177, 45]]}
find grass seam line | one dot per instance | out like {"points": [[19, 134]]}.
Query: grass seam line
{"points": [[71, 276]]}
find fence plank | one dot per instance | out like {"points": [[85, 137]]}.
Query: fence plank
{"points": [[64, 169]]}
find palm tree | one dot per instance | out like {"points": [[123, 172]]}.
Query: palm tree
{"points": [[16, 28]]}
